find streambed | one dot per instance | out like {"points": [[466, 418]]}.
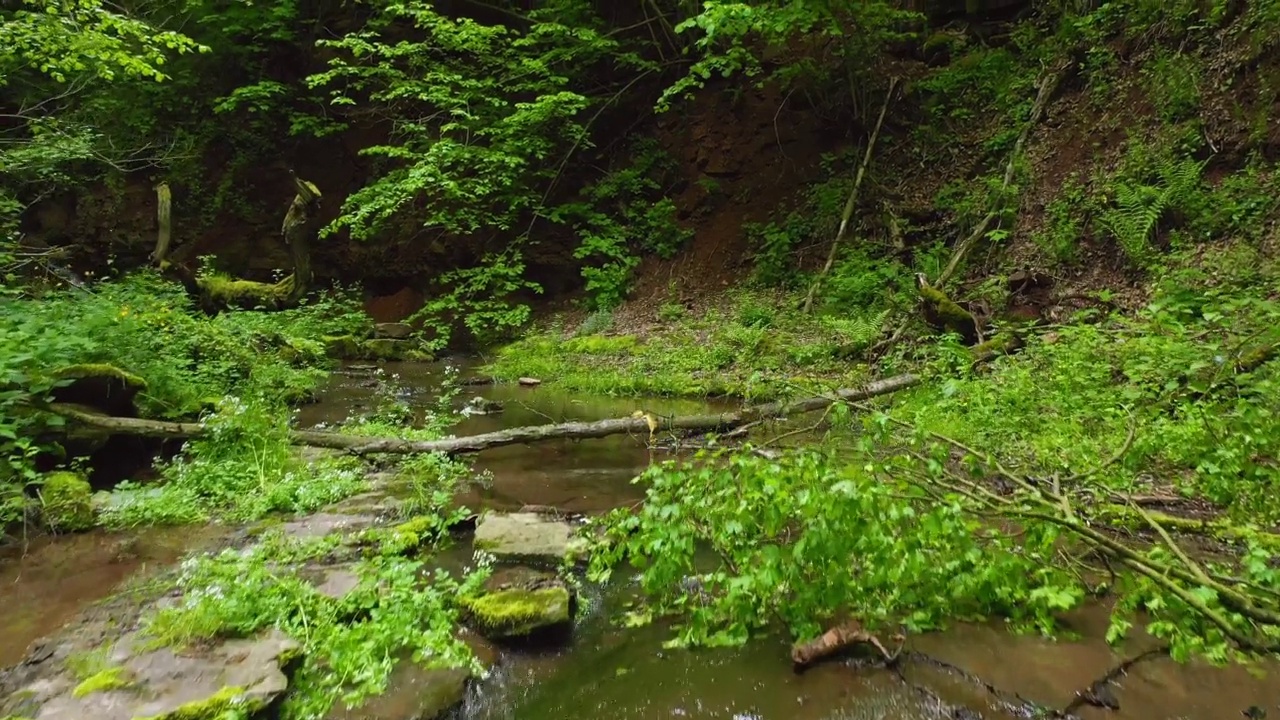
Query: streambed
{"points": [[626, 674]]}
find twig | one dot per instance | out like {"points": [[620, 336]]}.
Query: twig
{"points": [[1082, 698]]}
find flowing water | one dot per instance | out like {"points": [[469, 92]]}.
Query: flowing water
{"points": [[626, 674]]}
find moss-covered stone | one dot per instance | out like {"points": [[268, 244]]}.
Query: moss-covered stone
{"points": [[391, 349], [341, 347], [519, 612], [227, 702], [385, 349], [402, 538], [116, 678], [67, 502]]}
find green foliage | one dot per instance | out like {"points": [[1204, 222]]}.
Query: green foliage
{"points": [[814, 221], [258, 362], [1143, 200], [481, 297], [1173, 84], [617, 217], [349, 644], [476, 162], [596, 323], [730, 37], [241, 470], [779, 530], [1180, 397], [980, 83], [68, 39]]}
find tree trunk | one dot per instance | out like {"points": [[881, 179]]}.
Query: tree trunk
{"points": [[641, 424]]}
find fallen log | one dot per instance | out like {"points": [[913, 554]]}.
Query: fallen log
{"points": [[646, 424]]}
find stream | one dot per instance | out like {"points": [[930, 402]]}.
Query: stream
{"points": [[625, 674]]}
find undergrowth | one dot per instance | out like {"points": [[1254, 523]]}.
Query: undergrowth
{"points": [[1179, 400], [249, 365], [398, 611], [758, 348]]}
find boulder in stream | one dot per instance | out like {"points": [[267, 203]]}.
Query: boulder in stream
{"points": [[161, 684], [66, 501], [521, 602], [482, 406], [528, 536], [393, 330]]}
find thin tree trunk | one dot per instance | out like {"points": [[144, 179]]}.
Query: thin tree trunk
{"points": [[164, 220], [1048, 84], [641, 425], [852, 202]]}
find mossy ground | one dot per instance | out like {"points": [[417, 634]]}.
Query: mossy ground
{"points": [[757, 348]]}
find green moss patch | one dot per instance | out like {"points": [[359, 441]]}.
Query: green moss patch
{"points": [[116, 678], [227, 292], [101, 370], [229, 702], [518, 612]]}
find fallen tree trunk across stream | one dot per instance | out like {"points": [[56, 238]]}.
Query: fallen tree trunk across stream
{"points": [[640, 424]]}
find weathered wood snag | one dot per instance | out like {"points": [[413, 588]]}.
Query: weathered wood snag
{"points": [[216, 293]]}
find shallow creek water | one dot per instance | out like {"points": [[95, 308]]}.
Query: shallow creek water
{"points": [[625, 674]]}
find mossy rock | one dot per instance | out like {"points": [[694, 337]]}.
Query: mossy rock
{"points": [[341, 347], [67, 502], [389, 349], [520, 611], [403, 538], [102, 387]]}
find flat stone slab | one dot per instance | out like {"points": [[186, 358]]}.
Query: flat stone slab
{"points": [[393, 331], [338, 581], [414, 693], [166, 684], [528, 536], [321, 524]]}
